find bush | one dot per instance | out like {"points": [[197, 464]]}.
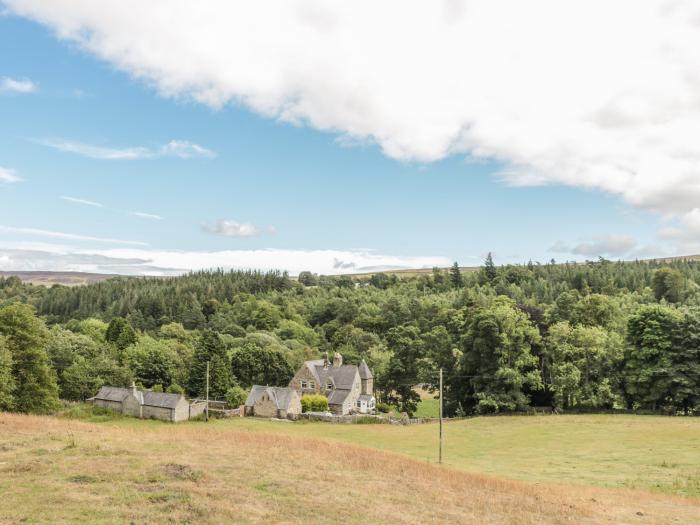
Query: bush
{"points": [[384, 408], [314, 403], [174, 388], [236, 396], [157, 388]]}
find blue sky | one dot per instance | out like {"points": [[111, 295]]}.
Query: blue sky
{"points": [[260, 188]]}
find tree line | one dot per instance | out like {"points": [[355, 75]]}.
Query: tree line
{"points": [[599, 335]]}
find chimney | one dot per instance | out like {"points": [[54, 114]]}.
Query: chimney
{"points": [[325, 361], [337, 360]]}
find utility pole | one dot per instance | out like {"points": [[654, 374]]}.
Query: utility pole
{"points": [[440, 455], [206, 418]]}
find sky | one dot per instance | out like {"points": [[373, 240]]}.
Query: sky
{"points": [[339, 137]]}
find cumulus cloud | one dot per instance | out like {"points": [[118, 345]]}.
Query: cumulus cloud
{"points": [[600, 94], [174, 262], [175, 148], [14, 85], [230, 228], [66, 236], [608, 245], [8, 176]]}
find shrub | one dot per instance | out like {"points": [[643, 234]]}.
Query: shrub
{"points": [[174, 388], [314, 403], [157, 388], [384, 408], [235, 396]]}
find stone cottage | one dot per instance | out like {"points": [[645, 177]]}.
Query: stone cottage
{"points": [[147, 404], [348, 387], [273, 401]]}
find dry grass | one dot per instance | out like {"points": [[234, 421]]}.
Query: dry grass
{"points": [[59, 471]]}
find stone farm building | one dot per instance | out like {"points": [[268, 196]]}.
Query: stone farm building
{"points": [[348, 387], [147, 404], [273, 401]]}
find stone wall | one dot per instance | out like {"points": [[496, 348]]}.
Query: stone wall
{"points": [[111, 405], [131, 406], [304, 374], [265, 407], [164, 414], [197, 408]]}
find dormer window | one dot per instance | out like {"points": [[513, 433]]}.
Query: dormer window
{"points": [[329, 386]]}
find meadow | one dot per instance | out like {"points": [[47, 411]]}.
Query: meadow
{"points": [[59, 470]]}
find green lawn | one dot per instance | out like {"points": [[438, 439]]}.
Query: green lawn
{"points": [[428, 407], [648, 452]]}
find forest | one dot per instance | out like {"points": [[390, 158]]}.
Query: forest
{"points": [[592, 336]]}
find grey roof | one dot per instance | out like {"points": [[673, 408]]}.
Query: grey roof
{"points": [[365, 372], [112, 393], [280, 395], [366, 397], [153, 399], [161, 399], [338, 397], [343, 376]]}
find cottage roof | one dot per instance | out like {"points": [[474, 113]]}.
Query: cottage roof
{"points": [[112, 393], [366, 397], [338, 397], [161, 399], [343, 376], [365, 372], [281, 396]]}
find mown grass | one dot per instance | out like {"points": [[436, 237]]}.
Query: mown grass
{"points": [[56, 470]]}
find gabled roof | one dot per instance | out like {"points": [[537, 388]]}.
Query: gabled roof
{"points": [[112, 393], [338, 397], [343, 377], [365, 372], [153, 399], [281, 396], [161, 399]]}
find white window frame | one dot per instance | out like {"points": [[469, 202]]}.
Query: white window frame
{"points": [[304, 385], [312, 385]]}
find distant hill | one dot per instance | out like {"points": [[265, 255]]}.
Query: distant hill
{"points": [[64, 278]]}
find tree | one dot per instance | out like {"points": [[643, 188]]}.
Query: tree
{"points": [[402, 373], [497, 363], [36, 390], [7, 382], [85, 377], [668, 284], [488, 272], [121, 333], [308, 278], [652, 335], [456, 276], [252, 364], [152, 362], [210, 348]]}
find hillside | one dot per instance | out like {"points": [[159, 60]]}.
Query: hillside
{"points": [[61, 471], [63, 278]]}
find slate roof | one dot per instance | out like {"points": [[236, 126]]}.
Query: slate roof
{"points": [[281, 396], [343, 376], [152, 399], [338, 397], [366, 397], [160, 399], [112, 393]]}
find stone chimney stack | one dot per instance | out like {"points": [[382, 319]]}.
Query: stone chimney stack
{"points": [[337, 360]]}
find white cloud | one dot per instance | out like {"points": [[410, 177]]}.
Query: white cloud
{"points": [[8, 176], [597, 94], [186, 150], [146, 215], [230, 228], [97, 152], [14, 85], [608, 245], [173, 262], [86, 202], [66, 236], [175, 148]]}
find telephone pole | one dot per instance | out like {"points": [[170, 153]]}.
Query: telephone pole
{"points": [[206, 417], [440, 454]]}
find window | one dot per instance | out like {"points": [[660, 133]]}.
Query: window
{"points": [[312, 384], [359, 404], [329, 386], [304, 384]]}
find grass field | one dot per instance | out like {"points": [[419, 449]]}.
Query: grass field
{"points": [[56, 470]]}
